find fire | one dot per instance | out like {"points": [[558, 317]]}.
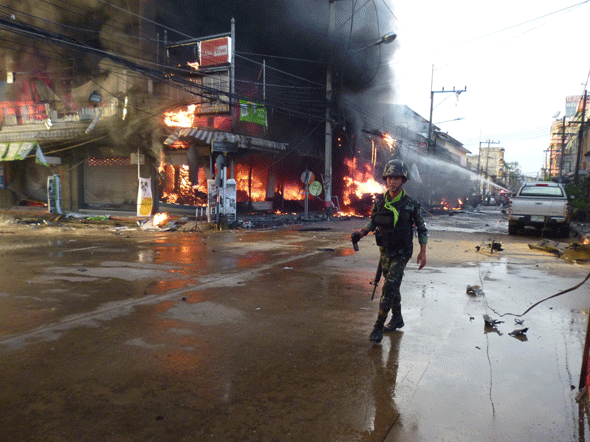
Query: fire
{"points": [[445, 205], [390, 141], [359, 182], [586, 241], [160, 219], [180, 118], [194, 65], [293, 191]]}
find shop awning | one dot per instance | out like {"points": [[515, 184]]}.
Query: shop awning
{"points": [[21, 150], [208, 136], [16, 151]]}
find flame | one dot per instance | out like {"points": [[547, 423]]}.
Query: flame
{"points": [[160, 219], [194, 65], [177, 189], [445, 205], [180, 118], [293, 191], [359, 182], [586, 241], [390, 141]]}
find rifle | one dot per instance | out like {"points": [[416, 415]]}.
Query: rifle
{"points": [[375, 283]]}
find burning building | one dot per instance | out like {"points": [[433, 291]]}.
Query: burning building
{"points": [[115, 98], [79, 107]]}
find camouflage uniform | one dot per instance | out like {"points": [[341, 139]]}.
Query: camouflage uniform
{"points": [[395, 241]]}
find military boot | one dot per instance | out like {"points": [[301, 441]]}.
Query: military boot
{"points": [[377, 333], [396, 319]]}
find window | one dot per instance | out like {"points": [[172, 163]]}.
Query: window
{"points": [[542, 191]]}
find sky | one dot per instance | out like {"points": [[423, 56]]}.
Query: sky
{"points": [[518, 61]]}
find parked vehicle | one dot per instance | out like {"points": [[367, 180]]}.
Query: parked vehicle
{"points": [[541, 204]]}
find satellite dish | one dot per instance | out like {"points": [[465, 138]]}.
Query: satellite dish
{"points": [[556, 114]]}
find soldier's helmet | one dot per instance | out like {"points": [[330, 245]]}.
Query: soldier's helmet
{"points": [[395, 168]]}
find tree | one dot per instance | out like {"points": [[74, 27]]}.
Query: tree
{"points": [[513, 175]]}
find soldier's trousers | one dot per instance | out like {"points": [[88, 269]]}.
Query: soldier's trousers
{"points": [[393, 271]]}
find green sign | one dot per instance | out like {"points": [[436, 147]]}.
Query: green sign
{"points": [[315, 188], [253, 113]]}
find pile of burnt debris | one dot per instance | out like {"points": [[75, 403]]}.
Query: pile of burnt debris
{"points": [[271, 220], [183, 223]]}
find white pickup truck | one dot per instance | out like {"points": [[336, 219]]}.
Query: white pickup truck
{"points": [[540, 204]]}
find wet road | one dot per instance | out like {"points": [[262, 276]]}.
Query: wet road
{"points": [[263, 336]]}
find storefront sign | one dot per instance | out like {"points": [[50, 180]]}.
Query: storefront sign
{"points": [[215, 52], [211, 108], [224, 146]]}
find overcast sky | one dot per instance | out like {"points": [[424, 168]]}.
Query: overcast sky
{"points": [[518, 59]]}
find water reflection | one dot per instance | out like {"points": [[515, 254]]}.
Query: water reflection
{"points": [[383, 412]]}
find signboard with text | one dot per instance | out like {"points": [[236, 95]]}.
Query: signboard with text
{"points": [[215, 52], [212, 108]]}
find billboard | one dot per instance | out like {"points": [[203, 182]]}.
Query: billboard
{"points": [[215, 52]]}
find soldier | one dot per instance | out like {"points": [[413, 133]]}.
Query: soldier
{"points": [[393, 217]]}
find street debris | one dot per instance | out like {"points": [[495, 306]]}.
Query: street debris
{"points": [[518, 332], [474, 290], [549, 246], [493, 246], [571, 252], [491, 321]]}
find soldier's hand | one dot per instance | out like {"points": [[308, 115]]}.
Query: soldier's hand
{"points": [[421, 260], [355, 236]]}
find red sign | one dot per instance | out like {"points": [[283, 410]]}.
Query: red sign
{"points": [[215, 52]]}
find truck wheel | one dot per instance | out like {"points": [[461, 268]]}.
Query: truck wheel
{"points": [[512, 228]]}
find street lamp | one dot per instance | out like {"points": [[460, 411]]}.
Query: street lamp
{"points": [[448, 121], [387, 38]]}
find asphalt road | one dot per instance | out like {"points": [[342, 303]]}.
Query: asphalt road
{"points": [[129, 335]]}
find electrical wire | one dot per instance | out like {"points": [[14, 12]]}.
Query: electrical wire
{"points": [[563, 292]]}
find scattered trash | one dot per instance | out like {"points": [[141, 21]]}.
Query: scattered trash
{"points": [[474, 290], [518, 331], [492, 246], [257, 308], [491, 321], [549, 246], [519, 321], [496, 246], [326, 250], [287, 268]]}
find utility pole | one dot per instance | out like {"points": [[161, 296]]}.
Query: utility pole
{"points": [[580, 139], [328, 145], [430, 138], [562, 148], [234, 104]]}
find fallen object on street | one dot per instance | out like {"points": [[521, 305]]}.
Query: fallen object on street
{"points": [[491, 321], [518, 331], [474, 290]]}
